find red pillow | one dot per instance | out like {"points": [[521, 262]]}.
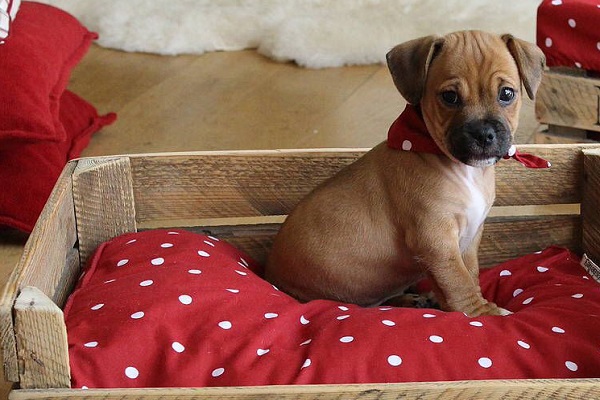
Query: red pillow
{"points": [[35, 65], [30, 168], [172, 308], [8, 12], [567, 32]]}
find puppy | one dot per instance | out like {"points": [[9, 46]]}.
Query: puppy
{"points": [[414, 206]]}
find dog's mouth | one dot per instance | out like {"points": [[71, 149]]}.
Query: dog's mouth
{"points": [[480, 143]]}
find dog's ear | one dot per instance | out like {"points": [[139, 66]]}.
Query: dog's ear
{"points": [[530, 62], [409, 62]]}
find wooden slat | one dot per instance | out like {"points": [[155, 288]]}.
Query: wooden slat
{"points": [[44, 264], [590, 207], [41, 341], [492, 390], [104, 204], [247, 184], [569, 101]]}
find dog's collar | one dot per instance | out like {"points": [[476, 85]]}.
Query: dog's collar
{"points": [[409, 133]]}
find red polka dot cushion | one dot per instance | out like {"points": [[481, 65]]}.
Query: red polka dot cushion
{"points": [[173, 308], [567, 32]]}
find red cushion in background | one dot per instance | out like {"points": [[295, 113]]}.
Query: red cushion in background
{"points": [[35, 65], [568, 33], [29, 169], [172, 308]]}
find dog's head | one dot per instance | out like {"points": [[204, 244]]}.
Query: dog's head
{"points": [[469, 87]]}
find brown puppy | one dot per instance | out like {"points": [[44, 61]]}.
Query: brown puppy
{"points": [[395, 216]]}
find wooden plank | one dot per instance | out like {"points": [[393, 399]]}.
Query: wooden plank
{"points": [[43, 263], [555, 134], [498, 389], [569, 101], [246, 184], [590, 207], [104, 202], [41, 341]]}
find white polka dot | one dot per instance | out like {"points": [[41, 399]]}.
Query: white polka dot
{"points": [[194, 271], [436, 339], [132, 372], [244, 262], [172, 233], [138, 315], [571, 366], [512, 150], [523, 344], [91, 344], [572, 23], [158, 261], [587, 278], [97, 306], [343, 308], [598, 45], [557, 329], [131, 241], [242, 273], [202, 253], [166, 245], [476, 323], [110, 281], [385, 308], [303, 320], [578, 64], [556, 2], [406, 145], [577, 296], [213, 238], [387, 322], [235, 291], [84, 388], [548, 42], [185, 299], [484, 362], [218, 372], [225, 325], [542, 269], [505, 272], [271, 315], [306, 364], [209, 243], [146, 283], [517, 292], [394, 360], [306, 342], [342, 317], [262, 352], [347, 339], [428, 316], [528, 300], [178, 347], [122, 262]]}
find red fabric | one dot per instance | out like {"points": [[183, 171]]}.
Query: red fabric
{"points": [[568, 33], [29, 169], [35, 65], [172, 308], [409, 133]]}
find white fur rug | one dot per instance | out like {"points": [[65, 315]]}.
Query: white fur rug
{"points": [[312, 33]]}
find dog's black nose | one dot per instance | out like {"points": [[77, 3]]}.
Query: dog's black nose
{"points": [[484, 132]]}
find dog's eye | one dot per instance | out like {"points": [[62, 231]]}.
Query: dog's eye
{"points": [[451, 98], [506, 96]]}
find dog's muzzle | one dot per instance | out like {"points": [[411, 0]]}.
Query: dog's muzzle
{"points": [[480, 143]]}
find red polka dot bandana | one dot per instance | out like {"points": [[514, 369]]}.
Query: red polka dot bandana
{"points": [[409, 133], [568, 33], [173, 308]]}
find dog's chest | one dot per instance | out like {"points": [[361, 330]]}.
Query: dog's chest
{"points": [[476, 206]]}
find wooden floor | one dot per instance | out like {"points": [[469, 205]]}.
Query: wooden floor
{"points": [[230, 100]]}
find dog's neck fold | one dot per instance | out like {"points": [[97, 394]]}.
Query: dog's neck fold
{"points": [[409, 133]]}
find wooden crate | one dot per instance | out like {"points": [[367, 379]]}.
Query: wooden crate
{"points": [[242, 196], [568, 101]]}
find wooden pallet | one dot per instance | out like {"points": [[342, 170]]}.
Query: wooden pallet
{"points": [[242, 196]]}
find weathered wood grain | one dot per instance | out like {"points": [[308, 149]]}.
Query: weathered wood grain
{"points": [[489, 390], [103, 198], [569, 101], [41, 341], [590, 207], [44, 264]]}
